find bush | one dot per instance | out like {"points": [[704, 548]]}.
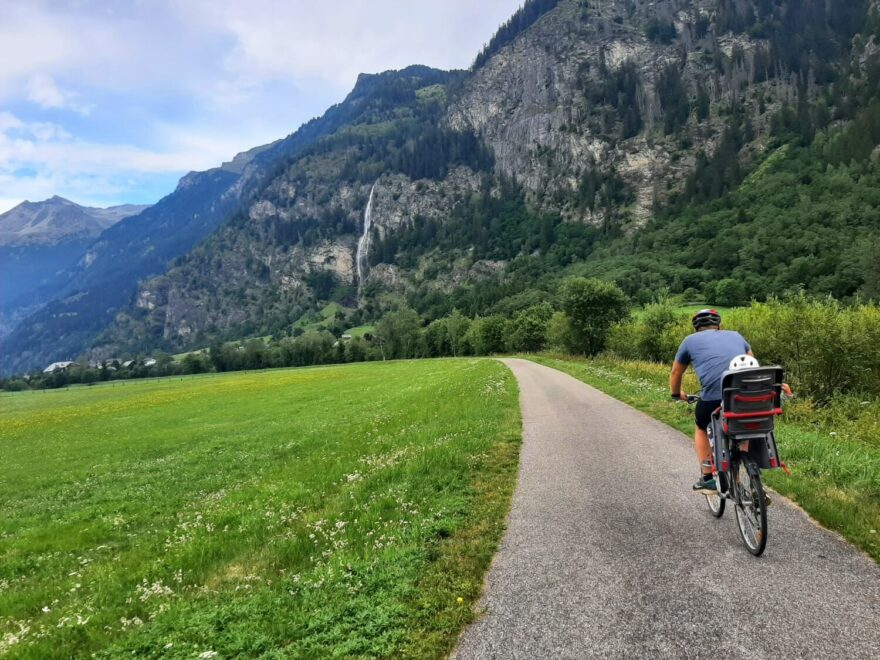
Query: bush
{"points": [[826, 348], [592, 307], [654, 335], [729, 293], [528, 330], [488, 335], [559, 333]]}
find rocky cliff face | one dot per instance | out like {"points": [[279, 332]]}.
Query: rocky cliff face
{"points": [[303, 225], [556, 101]]}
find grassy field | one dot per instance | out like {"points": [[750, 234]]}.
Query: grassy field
{"points": [[361, 330], [340, 511], [834, 455], [694, 308], [321, 320]]}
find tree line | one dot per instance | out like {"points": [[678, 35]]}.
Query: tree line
{"points": [[576, 319]]}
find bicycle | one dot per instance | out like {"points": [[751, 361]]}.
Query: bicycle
{"points": [[742, 441]]}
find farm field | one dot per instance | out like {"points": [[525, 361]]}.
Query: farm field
{"points": [[347, 511], [361, 331]]}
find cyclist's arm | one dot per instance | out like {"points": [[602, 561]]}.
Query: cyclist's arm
{"points": [[675, 377]]}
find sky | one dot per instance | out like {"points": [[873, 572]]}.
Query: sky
{"points": [[112, 101]]}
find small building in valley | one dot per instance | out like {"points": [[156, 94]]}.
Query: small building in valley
{"points": [[57, 366]]}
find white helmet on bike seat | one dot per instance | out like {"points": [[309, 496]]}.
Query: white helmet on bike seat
{"points": [[743, 362]]}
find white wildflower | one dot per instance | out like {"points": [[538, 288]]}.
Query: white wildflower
{"points": [[10, 639], [157, 589], [127, 623]]}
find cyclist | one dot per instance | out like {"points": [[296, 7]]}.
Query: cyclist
{"points": [[710, 350]]}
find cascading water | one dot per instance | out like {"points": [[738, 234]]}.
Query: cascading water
{"points": [[364, 242]]}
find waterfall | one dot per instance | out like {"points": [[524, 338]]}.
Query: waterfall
{"points": [[364, 243]]}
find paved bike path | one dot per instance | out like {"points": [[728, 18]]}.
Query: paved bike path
{"points": [[608, 554]]}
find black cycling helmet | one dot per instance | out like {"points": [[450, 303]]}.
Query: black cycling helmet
{"points": [[706, 318]]}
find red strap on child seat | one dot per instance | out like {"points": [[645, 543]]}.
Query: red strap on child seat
{"points": [[752, 415], [754, 399]]}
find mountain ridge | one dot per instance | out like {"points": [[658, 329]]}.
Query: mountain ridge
{"points": [[41, 240], [57, 219]]}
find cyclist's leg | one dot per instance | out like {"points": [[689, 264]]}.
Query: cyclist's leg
{"points": [[701, 446], [702, 419]]}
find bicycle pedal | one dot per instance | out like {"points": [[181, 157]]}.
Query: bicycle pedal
{"points": [[767, 501]]}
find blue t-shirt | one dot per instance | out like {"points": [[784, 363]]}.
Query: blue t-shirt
{"points": [[710, 352]]}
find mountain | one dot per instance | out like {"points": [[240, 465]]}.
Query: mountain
{"points": [[39, 241], [106, 278], [107, 272], [668, 145], [58, 220]]}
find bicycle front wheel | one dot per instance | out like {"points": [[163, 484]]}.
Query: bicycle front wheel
{"points": [[716, 504], [751, 507]]}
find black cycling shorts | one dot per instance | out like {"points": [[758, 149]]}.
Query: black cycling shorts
{"points": [[703, 413]]}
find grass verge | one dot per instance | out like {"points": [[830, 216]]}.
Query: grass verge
{"points": [[834, 454], [326, 512]]}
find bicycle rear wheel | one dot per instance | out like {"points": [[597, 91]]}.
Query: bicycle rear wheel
{"points": [[750, 507]]}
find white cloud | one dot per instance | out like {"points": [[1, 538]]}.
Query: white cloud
{"points": [[42, 90], [40, 159], [101, 95], [334, 40]]}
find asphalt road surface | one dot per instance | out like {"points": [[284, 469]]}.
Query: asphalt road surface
{"points": [[608, 553]]}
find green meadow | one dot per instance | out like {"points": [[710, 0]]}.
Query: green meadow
{"points": [[338, 511]]}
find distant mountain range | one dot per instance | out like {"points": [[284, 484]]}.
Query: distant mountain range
{"points": [[720, 148], [58, 220], [39, 241]]}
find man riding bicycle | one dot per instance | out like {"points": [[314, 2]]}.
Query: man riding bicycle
{"points": [[710, 350]]}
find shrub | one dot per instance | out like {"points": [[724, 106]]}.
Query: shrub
{"points": [[729, 293], [826, 348], [655, 334], [528, 330], [488, 335], [592, 307], [559, 334]]}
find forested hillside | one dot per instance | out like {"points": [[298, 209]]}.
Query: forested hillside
{"points": [[721, 149]]}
